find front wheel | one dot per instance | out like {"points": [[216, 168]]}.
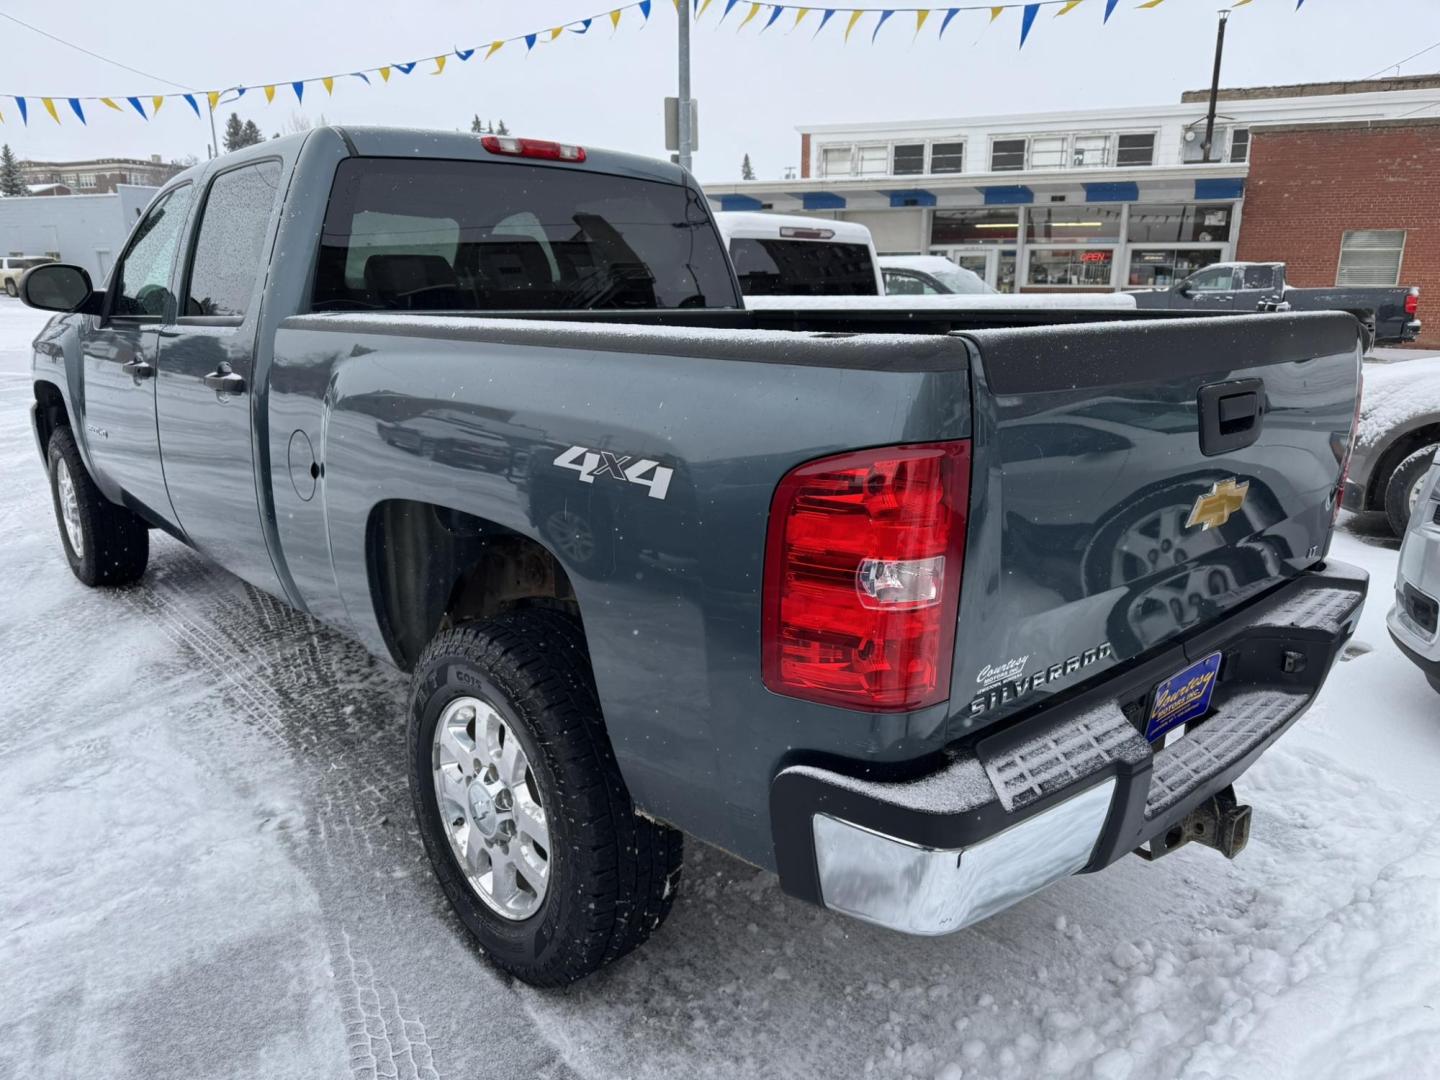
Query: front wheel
{"points": [[104, 544], [521, 805], [1402, 490], [11, 288]]}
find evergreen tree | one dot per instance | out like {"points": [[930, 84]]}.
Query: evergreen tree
{"points": [[477, 127], [502, 129], [234, 133], [251, 134], [12, 180], [746, 171]]}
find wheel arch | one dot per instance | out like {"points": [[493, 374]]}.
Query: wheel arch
{"points": [[432, 567], [1399, 448], [50, 412]]}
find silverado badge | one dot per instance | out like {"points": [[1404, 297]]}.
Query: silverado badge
{"points": [[1213, 509]]}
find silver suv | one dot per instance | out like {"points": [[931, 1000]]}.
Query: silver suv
{"points": [[1414, 617]]}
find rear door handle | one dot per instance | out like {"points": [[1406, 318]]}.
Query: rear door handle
{"points": [[137, 369], [223, 380]]}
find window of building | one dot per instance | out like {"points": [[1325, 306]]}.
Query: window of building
{"points": [[1180, 223], [1047, 152], [1193, 144], [1076, 268], [1371, 257], [909, 159], [1240, 144], [1007, 155], [1090, 151], [947, 157], [873, 160], [835, 161], [1135, 149], [966, 227], [1073, 224], [229, 249], [1160, 268]]}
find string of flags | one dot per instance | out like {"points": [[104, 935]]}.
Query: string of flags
{"points": [[819, 16]]}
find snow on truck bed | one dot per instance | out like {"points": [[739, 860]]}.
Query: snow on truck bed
{"points": [[952, 302]]}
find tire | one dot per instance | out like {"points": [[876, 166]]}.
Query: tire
{"points": [[611, 875], [1401, 484], [11, 289], [110, 544]]}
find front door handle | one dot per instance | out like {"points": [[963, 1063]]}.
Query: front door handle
{"points": [[223, 380], [137, 369]]}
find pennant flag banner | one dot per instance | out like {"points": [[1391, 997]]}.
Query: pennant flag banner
{"points": [[874, 19]]}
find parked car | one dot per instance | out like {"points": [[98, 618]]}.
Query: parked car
{"points": [[788, 255], [921, 614], [929, 275], [1395, 440], [12, 267], [1387, 313], [1414, 618]]}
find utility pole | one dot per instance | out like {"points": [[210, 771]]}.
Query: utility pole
{"points": [[1214, 88], [683, 11]]}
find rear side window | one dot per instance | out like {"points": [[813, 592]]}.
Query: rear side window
{"points": [[404, 235], [229, 249], [769, 267]]}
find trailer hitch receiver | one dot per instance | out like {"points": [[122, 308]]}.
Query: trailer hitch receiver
{"points": [[1219, 822]]}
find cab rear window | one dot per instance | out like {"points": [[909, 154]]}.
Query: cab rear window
{"points": [[405, 235], [777, 267]]}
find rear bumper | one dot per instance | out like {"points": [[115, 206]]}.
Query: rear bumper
{"points": [[1068, 789]]}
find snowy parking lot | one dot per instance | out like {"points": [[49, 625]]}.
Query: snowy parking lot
{"points": [[208, 868]]}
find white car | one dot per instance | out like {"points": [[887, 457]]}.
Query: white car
{"points": [[13, 267], [929, 275], [789, 255], [1414, 620]]}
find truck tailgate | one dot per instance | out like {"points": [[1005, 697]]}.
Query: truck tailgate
{"points": [[1132, 482]]}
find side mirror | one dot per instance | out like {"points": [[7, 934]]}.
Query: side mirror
{"points": [[1182, 288], [59, 287]]}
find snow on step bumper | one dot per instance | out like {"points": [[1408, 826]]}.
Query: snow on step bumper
{"points": [[1066, 790]]}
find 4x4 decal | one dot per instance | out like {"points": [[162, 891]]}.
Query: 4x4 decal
{"points": [[592, 463]]}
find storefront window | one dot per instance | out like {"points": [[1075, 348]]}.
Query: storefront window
{"points": [[1073, 224], [1071, 267], [1160, 268], [1180, 224], [975, 227]]}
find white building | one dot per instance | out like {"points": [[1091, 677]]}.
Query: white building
{"points": [[1094, 199], [88, 230]]}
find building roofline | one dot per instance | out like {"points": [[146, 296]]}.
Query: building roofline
{"points": [[1348, 125], [1339, 88]]}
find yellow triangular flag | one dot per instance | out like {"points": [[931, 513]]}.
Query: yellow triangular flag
{"points": [[155, 103], [615, 17], [50, 108], [1070, 5], [996, 12], [922, 15], [800, 16], [854, 18], [329, 83], [754, 10], [439, 66], [214, 98], [1151, 4], [384, 73], [269, 94], [1239, 3], [495, 47], [107, 101], [556, 32], [703, 6]]}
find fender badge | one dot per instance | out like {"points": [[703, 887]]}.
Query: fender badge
{"points": [[1213, 509]]}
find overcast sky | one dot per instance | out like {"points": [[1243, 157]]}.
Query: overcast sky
{"points": [[606, 88]]}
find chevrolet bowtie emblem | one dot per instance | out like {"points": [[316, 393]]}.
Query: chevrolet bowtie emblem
{"points": [[1213, 509]]}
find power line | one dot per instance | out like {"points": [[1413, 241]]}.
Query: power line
{"points": [[87, 52], [1401, 63]]}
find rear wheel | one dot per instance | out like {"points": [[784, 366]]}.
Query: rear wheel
{"points": [[11, 288], [1402, 490], [104, 544], [521, 804]]}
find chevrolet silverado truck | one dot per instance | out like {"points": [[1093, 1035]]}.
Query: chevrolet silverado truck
{"points": [[1387, 313], [921, 611]]}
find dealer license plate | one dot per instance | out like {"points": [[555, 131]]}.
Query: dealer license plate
{"points": [[1183, 697]]}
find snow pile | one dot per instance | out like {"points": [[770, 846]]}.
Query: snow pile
{"points": [[1396, 395]]}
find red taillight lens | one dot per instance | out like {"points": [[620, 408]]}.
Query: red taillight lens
{"points": [[862, 577], [532, 148], [1412, 301]]}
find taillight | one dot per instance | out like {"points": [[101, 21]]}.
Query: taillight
{"points": [[532, 148], [1412, 301], [1349, 447], [862, 576]]}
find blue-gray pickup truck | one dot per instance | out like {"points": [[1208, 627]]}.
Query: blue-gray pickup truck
{"points": [[921, 611]]}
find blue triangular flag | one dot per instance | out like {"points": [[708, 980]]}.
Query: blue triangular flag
{"points": [[240, 92], [1027, 20], [405, 69], [464, 54], [948, 16], [24, 113], [190, 100], [75, 108], [645, 9], [775, 13], [829, 14], [529, 42], [361, 76], [299, 88], [584, 25], [728, 5], [135, 103], [883, 16], [1109, 7]]}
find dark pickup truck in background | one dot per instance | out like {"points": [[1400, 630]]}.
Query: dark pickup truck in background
{"points": [[1387, 313], [920, 610]]}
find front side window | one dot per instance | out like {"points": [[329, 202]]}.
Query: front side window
{"points": [[1007, 155], [1135, 149], [1371, 257], [904, 283], [909, 159], [947, 157], [1215, 279], [769, 267], [432, 235], [142, 279], [229, 249], [835, 161]]}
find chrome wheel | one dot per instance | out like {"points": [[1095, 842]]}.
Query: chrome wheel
{"points": [[1413, 496], [490, 807], [69, 508]]}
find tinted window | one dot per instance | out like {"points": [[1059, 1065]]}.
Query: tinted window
{"points": [[802, 268], [1259, 277], [477, 236], [142, 280], [230, 247]]}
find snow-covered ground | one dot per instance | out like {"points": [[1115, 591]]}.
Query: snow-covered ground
{"points": [[208, 868]]}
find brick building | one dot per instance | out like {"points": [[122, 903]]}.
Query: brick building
{"points": [[1349, 203], [99, 176]]}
